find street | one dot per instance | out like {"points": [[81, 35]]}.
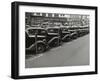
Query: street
{"points": [[73, 53]]}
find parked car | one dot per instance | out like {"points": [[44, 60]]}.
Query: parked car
{"points": [[73, 32], [82, 30], [65, 34], [35, 40], [53, 36]]}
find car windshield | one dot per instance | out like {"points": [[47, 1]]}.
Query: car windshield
{"points": [[36, 31], [32, 31], [53, 31], [41, 32], [64, 29]]}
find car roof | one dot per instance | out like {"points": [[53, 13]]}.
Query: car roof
{"points": [[53, 27], [34, 28]]}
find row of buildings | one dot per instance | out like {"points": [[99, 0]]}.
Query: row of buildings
{"points": [[55, 19]]}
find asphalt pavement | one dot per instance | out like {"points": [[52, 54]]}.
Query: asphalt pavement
{"points": [[73, 53]]}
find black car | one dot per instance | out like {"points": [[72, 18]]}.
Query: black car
{"points": [[36, 40], [83, 31], [73, 33], [53, 36], [65, 34]]}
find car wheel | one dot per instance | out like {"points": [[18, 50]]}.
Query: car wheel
{"points": [[67, 39], [40, 48], [54, 43], [74, 36]]}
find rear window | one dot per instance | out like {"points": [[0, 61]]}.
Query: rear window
{"points": [[64, 29], [32, 31], [53, 31], [41, 32]]}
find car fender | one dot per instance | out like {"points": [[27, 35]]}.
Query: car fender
{"points": [[65, 36], [33, 45], [54, 38], [73, 33]]}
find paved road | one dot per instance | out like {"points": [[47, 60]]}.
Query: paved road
{"points": [[71, 53]]}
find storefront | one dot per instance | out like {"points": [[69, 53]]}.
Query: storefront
{"points": [[54, 19]]}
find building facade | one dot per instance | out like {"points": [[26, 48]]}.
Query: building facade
{"points": [[55, 19]]}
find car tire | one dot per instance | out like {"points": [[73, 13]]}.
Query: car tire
{"points": [[54, 43], [74, 36], [67, 39], [40, 48]]}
